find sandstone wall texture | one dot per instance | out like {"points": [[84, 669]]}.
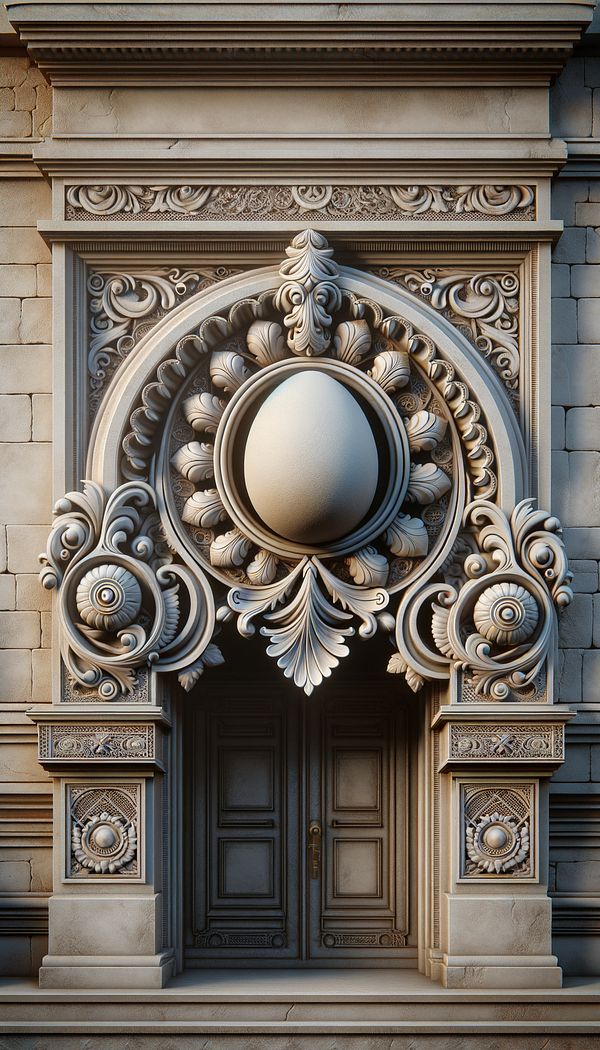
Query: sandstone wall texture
{"points": [[25, 501]]}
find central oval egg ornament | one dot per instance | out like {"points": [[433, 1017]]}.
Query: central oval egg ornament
{"points": [[311, 463]]}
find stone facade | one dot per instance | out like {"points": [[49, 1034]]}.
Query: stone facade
{"points": [[117, 806]]}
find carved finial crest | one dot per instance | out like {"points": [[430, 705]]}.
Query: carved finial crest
{"points": [[309, 294]]}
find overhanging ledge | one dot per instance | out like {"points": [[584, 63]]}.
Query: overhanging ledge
{"points": [[310, 1002]]}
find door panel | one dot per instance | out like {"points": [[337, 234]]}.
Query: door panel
{"points": [[263, 773], [359, 793], [246, 827]]}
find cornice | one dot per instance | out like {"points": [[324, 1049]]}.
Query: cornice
{"points": [[242, 42], [104, 158]]}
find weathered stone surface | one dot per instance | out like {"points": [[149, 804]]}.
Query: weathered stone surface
{"points": [[592, 245], [582, 543], [41, 666], [20, 630], [15, 124], [24, 201], [24, 499], [587, 214], [577, 765], [22, 245], [585, 576], [564, 321], [571, 247], [19, 280], [576, 375], [583, 429], [585, 281], [571, 101], [591, 676], [570, 670], [42, 417], [578, 876], [561, 280], [36, 321], [10, 319], [15, 417], [566, 194], [44, 279], [575, 626], [558, 427], [15, 675], [7, 591], [25, 369], [31, 594], [588, 320], [25, 542]]}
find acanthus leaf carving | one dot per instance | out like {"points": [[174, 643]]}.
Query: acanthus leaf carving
{"points": [[309, 293]]}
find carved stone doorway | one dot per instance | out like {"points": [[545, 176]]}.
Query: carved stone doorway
{"points": [[302, 812]]}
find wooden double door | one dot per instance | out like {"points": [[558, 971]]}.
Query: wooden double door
{"points": [[300, 818]]}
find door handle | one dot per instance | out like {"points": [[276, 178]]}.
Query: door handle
{"points": [[315, 833]]}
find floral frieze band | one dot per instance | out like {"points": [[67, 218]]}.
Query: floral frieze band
{"points": [[281, 202]]}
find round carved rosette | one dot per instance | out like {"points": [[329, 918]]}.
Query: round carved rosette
{"points": [[506, 614], [108, 597], [497, 844], [104, 843]]}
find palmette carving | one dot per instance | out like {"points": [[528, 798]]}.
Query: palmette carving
{"points": [[123, 603], [498, 626], [309, 293]]}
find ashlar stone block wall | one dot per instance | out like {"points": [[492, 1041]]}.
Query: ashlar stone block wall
{"points": [[25, 501], [575, 798]]}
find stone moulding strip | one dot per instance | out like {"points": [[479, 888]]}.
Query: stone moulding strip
{"points": [[502, 741], [305, 203], [96, 742]]}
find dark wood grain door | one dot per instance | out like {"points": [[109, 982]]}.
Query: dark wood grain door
{"points": [[299, 814]]}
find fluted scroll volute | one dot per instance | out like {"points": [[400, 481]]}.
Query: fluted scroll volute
{"points": [[498, 626], [123, 601]]}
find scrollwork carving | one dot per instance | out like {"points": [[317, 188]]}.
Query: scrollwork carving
{"points": [[123, 602], [498, 626], [302, 202], [484, 305]]}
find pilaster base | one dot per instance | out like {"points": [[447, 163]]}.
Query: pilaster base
{"points": [[110, 971], [506, 971]]}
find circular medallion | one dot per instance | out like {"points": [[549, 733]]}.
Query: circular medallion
{"points": [[311, 457]]}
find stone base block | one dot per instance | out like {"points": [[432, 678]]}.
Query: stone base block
{"points": [[511, 971], [113, 971]]}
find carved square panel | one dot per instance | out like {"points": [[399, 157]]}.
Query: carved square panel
{"points": [[499, 830], [104, 830]]}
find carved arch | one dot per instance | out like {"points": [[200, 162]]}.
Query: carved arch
{"points": [[146, 564]]}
